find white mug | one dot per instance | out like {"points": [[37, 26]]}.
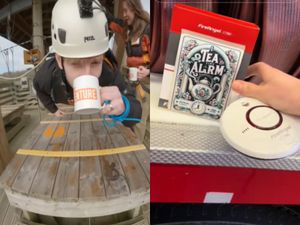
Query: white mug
{"points": [[133, 71], [86, 95]]}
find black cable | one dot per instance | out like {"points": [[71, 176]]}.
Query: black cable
{"points": [[85, 8], [101, 7]]}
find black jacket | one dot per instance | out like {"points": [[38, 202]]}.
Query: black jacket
{"points": [[52, 87]]}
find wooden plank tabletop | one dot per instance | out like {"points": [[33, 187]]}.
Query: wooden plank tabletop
{"points": [[78, 186]]}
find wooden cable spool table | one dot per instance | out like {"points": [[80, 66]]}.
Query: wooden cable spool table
{"points": [[95, 171]]}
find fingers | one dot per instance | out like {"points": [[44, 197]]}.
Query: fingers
{"points": [[142, 72], [247, 89], [112, 95], [109, 93], [139, 76], [261, 70], [107, 109], [141, 68], [116, 107], [59, 113]]}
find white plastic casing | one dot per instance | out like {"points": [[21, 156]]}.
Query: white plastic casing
{"points": [[260, 131]]}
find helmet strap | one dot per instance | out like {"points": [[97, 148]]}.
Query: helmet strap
{"points": [[63, 70], [68, 87]]}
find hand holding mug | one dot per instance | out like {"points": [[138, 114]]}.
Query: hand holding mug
{"points": [[142, 72], [113, 96]]}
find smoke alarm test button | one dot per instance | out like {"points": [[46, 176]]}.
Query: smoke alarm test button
{"points": [[264, 117]]}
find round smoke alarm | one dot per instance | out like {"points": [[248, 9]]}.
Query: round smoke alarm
{"points": [[259, 131]]}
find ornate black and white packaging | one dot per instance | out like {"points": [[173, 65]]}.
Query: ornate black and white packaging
{"points": [[205, 68]]}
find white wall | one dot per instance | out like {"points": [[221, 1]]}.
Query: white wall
{"points": [[146, 5], [15, 60]]}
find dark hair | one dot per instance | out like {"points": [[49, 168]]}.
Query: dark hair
{"points": [[142, 19]]}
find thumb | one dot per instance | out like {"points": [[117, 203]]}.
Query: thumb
{"points": [[246, 89]]}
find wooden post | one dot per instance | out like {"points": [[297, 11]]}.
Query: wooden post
{"points": [[120, 44], [37, 26], [5, 155]]}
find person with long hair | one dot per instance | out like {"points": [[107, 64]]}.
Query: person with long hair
{"points": [[135, 31]]}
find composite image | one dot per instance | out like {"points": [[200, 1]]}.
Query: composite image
{"points": [[139, 112]]}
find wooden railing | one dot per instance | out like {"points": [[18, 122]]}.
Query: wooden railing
{"points": [[14, 93]]}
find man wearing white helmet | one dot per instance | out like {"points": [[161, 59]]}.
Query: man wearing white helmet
{"points": [[80, 42]]}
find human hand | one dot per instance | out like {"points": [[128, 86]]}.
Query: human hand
{"points": [[143, 72], [59, 113], [112, 94], [276, 89]]}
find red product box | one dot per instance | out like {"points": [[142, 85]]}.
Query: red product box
{"points": [[206, 52]]}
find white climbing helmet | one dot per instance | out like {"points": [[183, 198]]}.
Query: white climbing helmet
{"points": [[76, 37]]}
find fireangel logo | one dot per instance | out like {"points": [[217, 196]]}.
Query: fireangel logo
{"points": [[214, 30], [89, 38]]}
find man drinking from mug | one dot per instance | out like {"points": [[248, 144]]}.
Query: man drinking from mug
{"points": [[80, 42]]}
